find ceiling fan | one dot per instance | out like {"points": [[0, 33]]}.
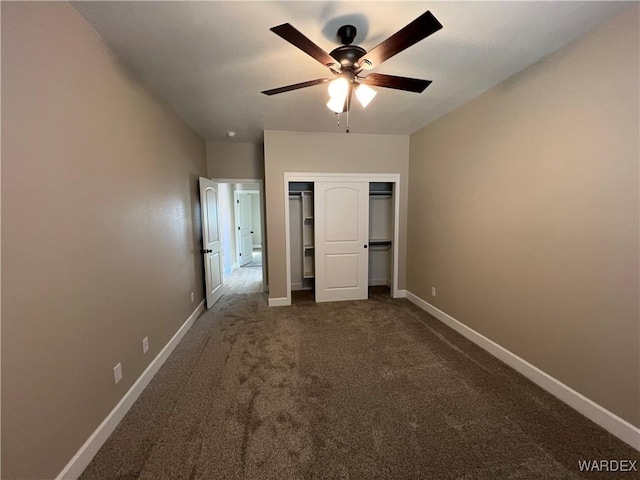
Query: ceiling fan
{"points": [[348, 61]]}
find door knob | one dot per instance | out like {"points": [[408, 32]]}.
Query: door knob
{"points": [[366, 246], [206, 251]]}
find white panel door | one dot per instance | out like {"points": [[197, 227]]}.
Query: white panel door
{"points": [[245, 230], [341, 240], [211, 240]]}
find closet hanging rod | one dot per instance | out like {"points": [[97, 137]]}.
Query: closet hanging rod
{"points": [[300, 192], [376, 248], [388, 192], [380, 245]]}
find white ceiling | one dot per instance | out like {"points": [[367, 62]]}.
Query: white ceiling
{"points": [[211, 60]]}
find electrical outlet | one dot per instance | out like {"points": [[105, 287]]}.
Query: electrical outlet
{"points": [[117, 372], [193, 297], [145, 345], [433, 291]]}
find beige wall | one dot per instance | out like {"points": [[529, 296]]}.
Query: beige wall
{"points": [[331, 153], [235, 160], [523, 208], [100, 233]]}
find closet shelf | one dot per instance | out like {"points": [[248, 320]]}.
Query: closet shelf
{"points": [[300, 193], [379, 242]]}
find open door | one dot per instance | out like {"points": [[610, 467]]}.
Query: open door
{"points": [[211, 240], [341, 240], [245, 228]]}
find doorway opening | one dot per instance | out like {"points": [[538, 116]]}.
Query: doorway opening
{"points": [[242, 221]]}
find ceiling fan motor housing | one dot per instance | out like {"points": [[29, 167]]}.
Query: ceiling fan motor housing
{"points": [[348, 55]]}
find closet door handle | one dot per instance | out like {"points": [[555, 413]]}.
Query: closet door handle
{"points": [[366, 246]]}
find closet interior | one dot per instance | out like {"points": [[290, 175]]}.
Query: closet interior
{"points": [[380, 233], [301, 231], [302, 235]]}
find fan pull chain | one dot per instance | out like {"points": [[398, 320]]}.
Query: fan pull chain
{"points": [[348, 105]]}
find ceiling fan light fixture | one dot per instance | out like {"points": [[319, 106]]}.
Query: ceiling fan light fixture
{"points": [[338, 88], [336, 104], [347, 61], [365, 94]]}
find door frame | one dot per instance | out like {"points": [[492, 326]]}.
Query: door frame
{"points": [[236, 216], [263, 237], [345, 177]]}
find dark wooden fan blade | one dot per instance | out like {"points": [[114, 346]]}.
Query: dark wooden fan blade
{"points": [[399, 83], [297, 39], [296, 86], [419, 29]]}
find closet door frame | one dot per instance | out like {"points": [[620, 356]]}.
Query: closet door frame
{"points": [[345, 177]]}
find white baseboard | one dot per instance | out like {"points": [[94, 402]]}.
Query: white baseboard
{"points": [[401, 294], [83, 457], [619, 427], [279, 302]]}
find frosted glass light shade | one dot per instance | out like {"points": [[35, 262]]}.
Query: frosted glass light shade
{"points": [[338, 88], [336, 104], [365, 94]]}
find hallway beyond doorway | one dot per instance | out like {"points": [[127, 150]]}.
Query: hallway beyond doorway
{"points": [[247, 279], [240, 275]]}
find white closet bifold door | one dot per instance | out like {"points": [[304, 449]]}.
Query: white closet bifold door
{"points": [[341, 240]]}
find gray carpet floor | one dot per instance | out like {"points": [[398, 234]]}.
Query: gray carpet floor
{"points": [[373, 389]]}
